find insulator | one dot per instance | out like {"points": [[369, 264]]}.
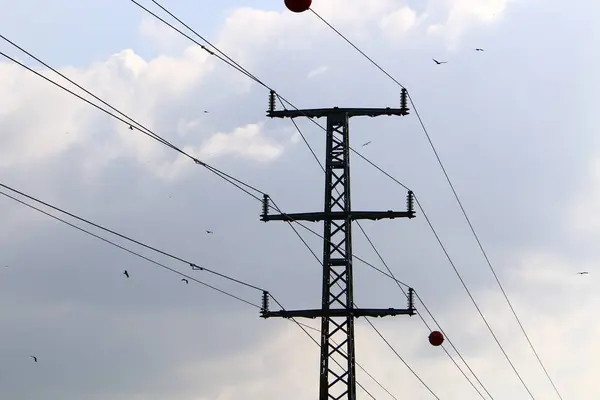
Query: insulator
{"points": [[410, 201], [271, 101], [411, 299], [404, 100], [265, 207], [265, 303]]}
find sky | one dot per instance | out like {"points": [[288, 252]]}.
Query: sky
{"points": [[515, 127]]}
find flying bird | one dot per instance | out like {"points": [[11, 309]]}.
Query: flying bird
{"points": [[478, 49], [34, 358], [582, 273], [439, 62], [209, 232], [366, 144], [126, 273], [184, 280], [205, 112]]}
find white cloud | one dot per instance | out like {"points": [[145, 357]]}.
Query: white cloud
{"points": [[48, 122], [161, 35], [186, 343], [399, 22], [584, 215], [462, 14], [551, 270], [317, 71], [247, 141]]}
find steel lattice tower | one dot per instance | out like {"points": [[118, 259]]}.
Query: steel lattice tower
{"points": [[338, 311]]}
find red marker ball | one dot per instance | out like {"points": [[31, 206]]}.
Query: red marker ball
{"points": [[298, 6], [436, 338]]}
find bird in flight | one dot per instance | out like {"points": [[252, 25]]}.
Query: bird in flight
{"points": [[205, 112], [184, 280], [34, 358], [126, 273], [439, 62], [209, 232], [582, 273], [478, 49], [366, 144]]}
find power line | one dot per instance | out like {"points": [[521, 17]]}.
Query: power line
{"points": [[356, 47], [225, 58], [129, 251], [122, 236], [132, 123], [476, 236]]}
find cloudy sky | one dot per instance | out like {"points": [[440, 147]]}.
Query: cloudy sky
{"points": [[515, 125]]}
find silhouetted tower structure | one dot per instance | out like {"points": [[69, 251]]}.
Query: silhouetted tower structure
{"points": [[337, 313]]}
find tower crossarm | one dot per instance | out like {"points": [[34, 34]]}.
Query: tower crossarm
{"points": [[338, 215], [351, 112], [339, 312]]}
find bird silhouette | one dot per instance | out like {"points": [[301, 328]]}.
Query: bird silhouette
{"points": [[130, 127], [210, 232], [582, 273], [34, 358], [478, 49], [439, 62], [366, 144], [126, 273], [205, 112], [185, 280]]}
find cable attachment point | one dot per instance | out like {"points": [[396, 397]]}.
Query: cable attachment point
{"points": [[265, 208], [196, 267], [404, 101], [199, 162], [410, 203], [271, 101], [411, 300], [265, 304]]}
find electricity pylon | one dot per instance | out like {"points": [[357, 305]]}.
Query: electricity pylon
{"points": [[338, 311]]}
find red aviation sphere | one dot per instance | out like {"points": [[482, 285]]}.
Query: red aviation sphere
{"points": [[436, 338], [298, 6]]}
